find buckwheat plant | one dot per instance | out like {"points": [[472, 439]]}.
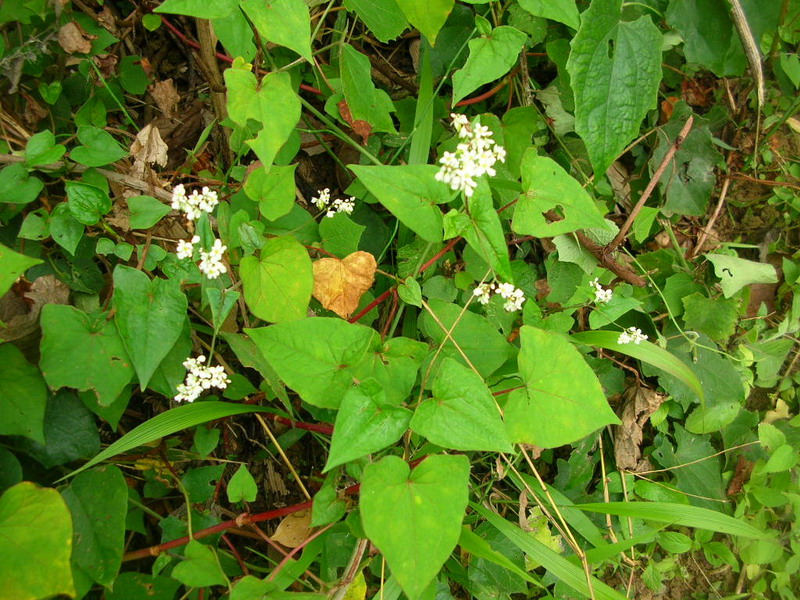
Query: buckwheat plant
{"points": [[632, 335], [514, 297], [200, 378], [195, 203], [323, 201], [601, 295], [474, 156]]}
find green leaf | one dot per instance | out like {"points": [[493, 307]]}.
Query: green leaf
{"points": [[98, 148], [221, 303], [676, 514], [646, 352], [327, 506], [365, 101], [146, 211], [563, 11], [273, 189], [235, 33], [72, 338], [42, 149], [485, 347], [23, 396], [98, 501], [490, 57], [410, 193], [713, 316], [35, 528], [383, 18], [709, 418], [141, 586], [736, 273], [274, 104], [615, 70], [200, 482], [282, 22], [65, 229], [17, 186], [462, 414], [485, 232], [782, 459], [12, 265], [340, 234], [252, 588], [480, 548], [150, 317], [564, 570], [563, 400], [709, 38], [200, 9], [365, 423], [167, 423], [410, 292], [278, 285], [414, 517], [87, 203], [315, 357], [427, 15], [200, 567], [242, 486], [546, 186]]}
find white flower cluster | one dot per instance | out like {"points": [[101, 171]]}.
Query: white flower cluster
{"points": [[632, 335], [514, 297], [474, 156], [200, 378], [323, 201], [601, 294], [195, 203], [211, 264]]}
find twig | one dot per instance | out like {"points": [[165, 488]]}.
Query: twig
{"points": [[623, 232]]}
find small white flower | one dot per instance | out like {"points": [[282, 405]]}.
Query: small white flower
{"points": [[186, 247], [515, 301], [211, 261], [322, 200], [601, 295], [632, 335], [483, 292], [474, 157], [515, 297], [196, 203], [200, 378]]}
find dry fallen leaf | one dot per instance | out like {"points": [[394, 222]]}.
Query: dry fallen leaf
{"points": [[165, 96], [148, 147], [20, 313], [293, 529], [339, 284], [72, 38], [639, 404]]}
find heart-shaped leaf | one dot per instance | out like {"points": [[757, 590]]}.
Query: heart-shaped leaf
{"points": [[339, 284], [200, 567], [414, 517]]}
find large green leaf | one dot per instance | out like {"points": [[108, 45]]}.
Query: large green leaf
{"points": [[676, 514], [548, 187], [483, 345], [98, 501], [202, 9], [735, 273], [646, 352], [411, 194], [563, 11], [427, 15], [563, 569], [35, 531], [462, 414], [69, 338], [87, 203], [316, 357], [383, 18], [365, 101], [562, 401], [23, 396], [615, 70], [200, 567], [366, 423], [393, 365], [12, 265], [485, 232], [282, 22], [17, 186], [278, 285], [490, 57], [97, 147], [274, 104], [414, 517], [149, 317], [273, 189]]}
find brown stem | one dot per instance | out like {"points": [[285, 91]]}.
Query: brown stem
{"points": [[623, 233]]}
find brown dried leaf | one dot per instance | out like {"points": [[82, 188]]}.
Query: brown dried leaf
{"points": [[339, 284], [639, 404], [20, 313], [148, 147], [293, 529], [106, 64], [360, 127], [165, 96], [72, 38]]}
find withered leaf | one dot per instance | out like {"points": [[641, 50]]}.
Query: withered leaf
{"points": [[148, 147], [639, 404], [72, 38], [339, 284], [165, 96], [293, 529]]}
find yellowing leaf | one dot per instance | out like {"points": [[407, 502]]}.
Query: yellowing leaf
{"points": [[339, 284], [293, 529]]}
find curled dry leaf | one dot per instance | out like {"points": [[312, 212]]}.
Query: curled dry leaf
{"points": [[165, 96], [20, 312], [339, 284], [639, 404], [359, 126], [293, 529], [148, 147], [72, 38]]}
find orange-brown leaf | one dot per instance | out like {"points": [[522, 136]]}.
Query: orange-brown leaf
{"points": [[339, 284]]}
